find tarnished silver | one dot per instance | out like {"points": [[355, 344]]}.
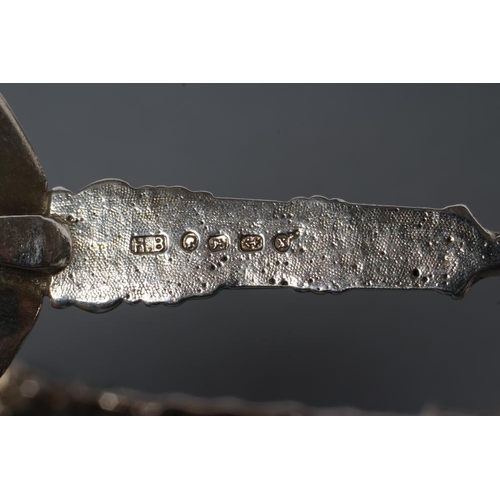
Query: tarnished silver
{"points": [[23, 192], [112, 243], [34, 242]]}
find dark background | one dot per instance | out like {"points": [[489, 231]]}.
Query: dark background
{"points": [[417, 145]]}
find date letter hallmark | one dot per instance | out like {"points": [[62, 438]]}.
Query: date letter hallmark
{"points": [[148, 244], [283, 241]]}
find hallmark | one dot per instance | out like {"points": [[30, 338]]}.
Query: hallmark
{"points": [[218, 243], [190, 241], [148, 244], [283, 241], [252, 243]]}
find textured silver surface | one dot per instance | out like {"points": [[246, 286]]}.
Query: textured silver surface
{"points": [[333, 246]]}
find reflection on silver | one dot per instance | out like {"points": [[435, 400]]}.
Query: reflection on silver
{"points": [[108, 401]]}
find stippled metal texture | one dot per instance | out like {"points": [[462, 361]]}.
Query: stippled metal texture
{"points": [[167, 244]]}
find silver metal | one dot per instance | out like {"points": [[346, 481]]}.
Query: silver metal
{"points": [[324, 246], [252, 243], [190, 241], [283, 241], [23, 192], [111, 243], [34, 242]]}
